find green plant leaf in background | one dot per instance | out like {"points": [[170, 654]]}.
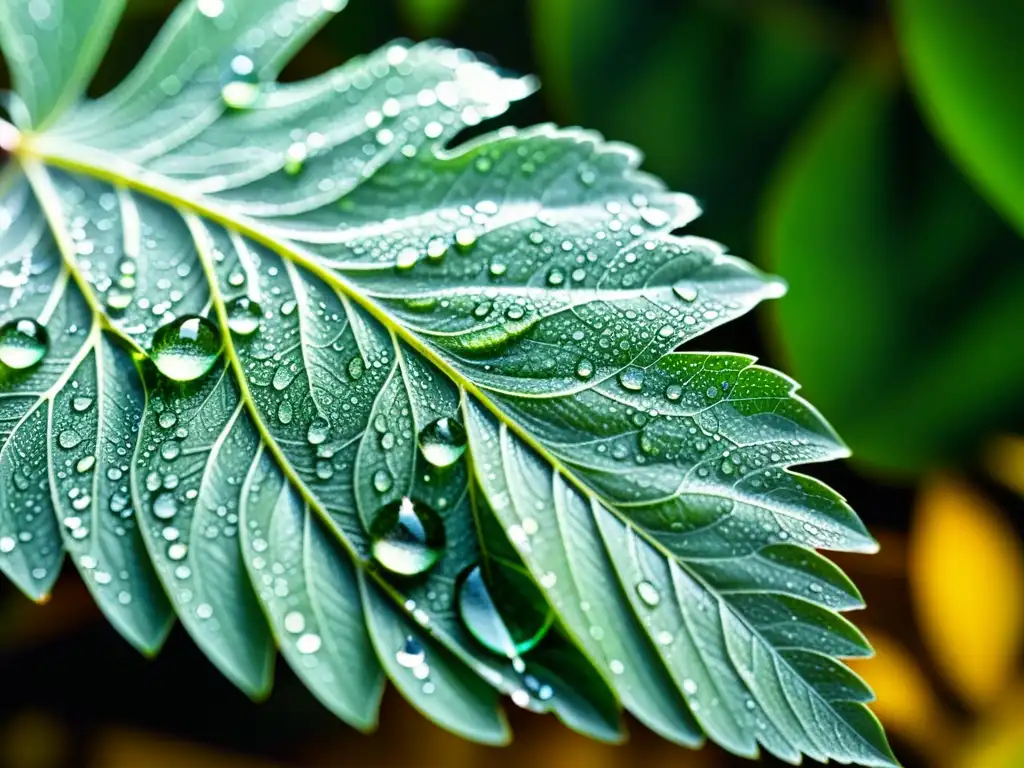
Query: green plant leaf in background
{"points": [[958, 57], [724, 80], [431, 17], [275, 351], [879, 274]]}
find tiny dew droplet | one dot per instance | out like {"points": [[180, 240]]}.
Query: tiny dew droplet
{"points": [[407, 537], [186, 348], [240, 87], [509, 619], [244, 316], [23, 343], [442, 442]]}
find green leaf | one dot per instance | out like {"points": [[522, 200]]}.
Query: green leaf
{"points": [[867, 255], [958, 57], [52, 48], [277, 291]]}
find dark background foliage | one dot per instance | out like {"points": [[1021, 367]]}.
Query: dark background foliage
{"points": [[793, 123]]}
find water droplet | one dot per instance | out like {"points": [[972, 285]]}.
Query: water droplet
{"points": [[648, 593], [165, 506], [240, 87], [632, 378], [685, 291], [509, 619], [23, 343], [382, 481], [442, 442], [294, 622], [308, 643], [211, 9], [80, 404], [295, 158], [436, 249], [407, 537], [356, 368], [118, 300], [673, 392], [186, 348], [407, 258], [85, 463], [584, 369], [465, 238], [69, 438], [689, 686], [318, 431], [244, 316], [556, 277]]}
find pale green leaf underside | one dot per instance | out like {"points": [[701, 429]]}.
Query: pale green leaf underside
{"points": [[528, 283]]}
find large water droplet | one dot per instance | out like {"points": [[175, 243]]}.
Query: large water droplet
{"points": [[685, 291], [186, 348], [165, 506], [510, 617], [23, 343], [648, 593], [244, 316], [407, 537], [442, 442], [632, 379]]}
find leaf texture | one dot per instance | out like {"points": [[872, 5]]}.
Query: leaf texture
{"points": [[530, 285]]}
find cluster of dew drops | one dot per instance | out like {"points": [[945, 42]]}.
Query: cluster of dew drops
{"points": [[407, 536]]}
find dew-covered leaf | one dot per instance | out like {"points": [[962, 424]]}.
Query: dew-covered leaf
{"points": [[410, 410]]}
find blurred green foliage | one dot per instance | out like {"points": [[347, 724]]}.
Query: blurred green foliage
{"points": [[964, 60]]}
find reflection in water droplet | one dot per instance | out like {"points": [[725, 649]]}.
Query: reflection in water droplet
{"points": [[185, 348], [442, 442], [407, 537], [244, 316], [511, 631], [23, 343]]}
